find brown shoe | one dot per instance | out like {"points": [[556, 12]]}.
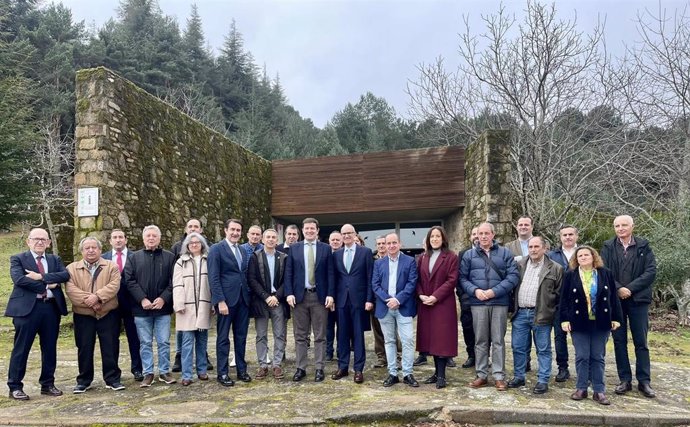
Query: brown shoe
{"points": [[278, 373], [478, 382], [203, 377], [501, 385], [147, 381], [579, 395], [261, 373], [359, 377], [601, 398], [166, 378], [186, 382], [340, 373]]}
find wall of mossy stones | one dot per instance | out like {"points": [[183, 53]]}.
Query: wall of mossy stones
{"points": [[154, 164], [488, 194]]}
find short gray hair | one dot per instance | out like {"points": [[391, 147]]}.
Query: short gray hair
{"points": [[86, 239], [204, 244], [151, 227]]}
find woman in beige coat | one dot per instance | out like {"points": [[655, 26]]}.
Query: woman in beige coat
{"points": [[192, 305]]}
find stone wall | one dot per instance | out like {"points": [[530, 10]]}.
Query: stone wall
{"points": [[155, 165], [487, 184]]}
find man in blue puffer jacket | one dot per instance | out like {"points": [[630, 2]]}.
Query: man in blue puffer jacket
{"points": [[488, 274]]}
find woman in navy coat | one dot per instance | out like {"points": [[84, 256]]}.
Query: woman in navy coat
{"points": [[589, 310], [437, 321]]}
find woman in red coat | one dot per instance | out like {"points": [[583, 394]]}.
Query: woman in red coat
{"points": [[437, 324]]}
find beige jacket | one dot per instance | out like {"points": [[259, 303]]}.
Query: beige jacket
{"points": [[105, 287], [192, 295]]}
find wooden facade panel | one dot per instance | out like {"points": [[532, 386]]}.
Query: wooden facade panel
{"points": [[372, 182]]}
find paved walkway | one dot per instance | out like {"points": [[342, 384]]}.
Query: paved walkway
{"points": [[271, 402]]}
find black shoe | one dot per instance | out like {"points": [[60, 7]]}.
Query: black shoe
{"points": [[329, 357], [51, 390], [391, 380], [244, 377], [80, 388], [529, 367], [209, 365], [450, 362], [516, 382], [623, 387], [540, 388], [469, 363], [420, 360], [177, 365], [117, 386], [138, 376], [225, 381], [409, 380], [563, 375], [319, 375], [19, 395], [646, 390], [299, 375], [431, 380], [440, 382]]}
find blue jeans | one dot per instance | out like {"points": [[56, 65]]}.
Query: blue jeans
{"points": [[193, 342], [521, 335], [147, 328], [590, 355], [390, 321]]}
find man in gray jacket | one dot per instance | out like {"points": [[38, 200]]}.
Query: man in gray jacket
{"points": [[535, 305]]}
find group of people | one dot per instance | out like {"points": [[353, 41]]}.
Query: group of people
{"points": [[334, 292]]}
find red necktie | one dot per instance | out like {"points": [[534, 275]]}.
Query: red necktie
{"points": [[41, 270], [119, 261]]}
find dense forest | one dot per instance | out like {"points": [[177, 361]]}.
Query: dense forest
{"points": [[593, 134]]}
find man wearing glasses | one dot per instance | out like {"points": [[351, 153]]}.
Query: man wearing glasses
{"points": [[36, 304]]}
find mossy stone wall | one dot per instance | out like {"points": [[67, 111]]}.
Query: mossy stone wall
{"points": [[488, 193], [156, 165]]}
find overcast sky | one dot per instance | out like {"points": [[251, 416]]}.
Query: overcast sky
{"points": [[330, 52]]}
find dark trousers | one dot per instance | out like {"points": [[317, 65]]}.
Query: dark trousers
{"points": [[467, 329], [330, 332], [560, 342], [107, 328], [590, 357], [44, 321], [125, 318], [351, 325], [238, 319], [637, 316]]}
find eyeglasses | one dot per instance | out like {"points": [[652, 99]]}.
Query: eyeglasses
{"points": [[39, 239]]}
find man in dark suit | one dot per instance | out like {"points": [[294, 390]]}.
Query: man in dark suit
{"points": [[396, 307], [36, 304], [309, 289], [352, 266], [227, 276], [291, 236], [265, 276], [121, 255]]}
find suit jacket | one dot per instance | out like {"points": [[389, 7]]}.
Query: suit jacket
{"points": [[123, 299], [295, 272], [259, 277], [405, 286], [355, 285], [25, 290], [227, 279]]}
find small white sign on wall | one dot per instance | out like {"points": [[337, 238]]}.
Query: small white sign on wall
{"points": [[87, 201]]}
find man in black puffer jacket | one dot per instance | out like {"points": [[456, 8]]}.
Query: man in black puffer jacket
{"points": [[632, 263], [149, 280]]}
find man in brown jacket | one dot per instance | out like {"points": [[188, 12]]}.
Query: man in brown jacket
{"points": [[92, 288]]}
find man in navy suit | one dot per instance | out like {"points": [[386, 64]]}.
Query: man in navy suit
{"points": [[309, 288], [121, 255], [394, 282], [227, 276], [36, 304], [352, 266]]}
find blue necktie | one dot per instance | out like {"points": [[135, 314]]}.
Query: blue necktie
{"points": [[348, 259], [238, 257]]}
